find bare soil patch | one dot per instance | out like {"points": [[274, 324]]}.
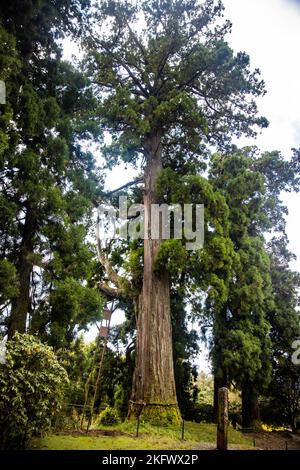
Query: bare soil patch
{"points": [[276, 440]]}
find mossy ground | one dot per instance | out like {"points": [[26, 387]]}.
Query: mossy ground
{"points": [[197, 436], [161, 415]]}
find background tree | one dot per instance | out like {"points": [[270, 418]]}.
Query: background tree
{"points": [[48, 179], [252, 185], [283, 394], [185, 349]]}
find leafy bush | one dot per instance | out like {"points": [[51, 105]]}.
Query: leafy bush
{"points": [[31, 383], [67, 419], [203, 413], [235, 413], [108, 417]]}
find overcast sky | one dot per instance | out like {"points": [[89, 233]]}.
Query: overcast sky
{"points": [[269, 31]]}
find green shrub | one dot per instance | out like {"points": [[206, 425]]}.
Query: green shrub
{"points": [[235, 414], [66, 419], [31, 384], [108, 417], [203, 413]]}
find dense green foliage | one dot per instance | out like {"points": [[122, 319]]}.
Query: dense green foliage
{"points": [[108, 417], [242, 352], [283, 396], [177, 75], [32, 384], [48, 180]]}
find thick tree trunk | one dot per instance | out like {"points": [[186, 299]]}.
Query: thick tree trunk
{"points": [[250, 407], [153, 393], [21, 304]]}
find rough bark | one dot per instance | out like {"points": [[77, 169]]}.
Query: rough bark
{"points": [[21, 304], [220, 373], [250, 407], [153, 393], [222, 433], [218, 383]]}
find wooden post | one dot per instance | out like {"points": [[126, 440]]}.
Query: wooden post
{"points": [[222, 434]]}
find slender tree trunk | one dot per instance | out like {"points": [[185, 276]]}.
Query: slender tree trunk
{"points": [[154, 393], [218, 383], [250, 407], [220, 373], [21, 304], [222, 430]]}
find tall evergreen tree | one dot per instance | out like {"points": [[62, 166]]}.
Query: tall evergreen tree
{"points": [[252, 185], [48, 180], [284, 390], [170, 84]]}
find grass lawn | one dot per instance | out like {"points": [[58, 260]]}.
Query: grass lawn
{"points": [[197, 436]]}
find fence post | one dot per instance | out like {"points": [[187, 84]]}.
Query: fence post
{"points": [[222, 433], [137, 426], [182, 430]]}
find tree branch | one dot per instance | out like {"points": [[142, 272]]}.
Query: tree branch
{"points": [[139, 44], [112, 275], [121, 62], [123, 286], [112, 292], [131, 183]]}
